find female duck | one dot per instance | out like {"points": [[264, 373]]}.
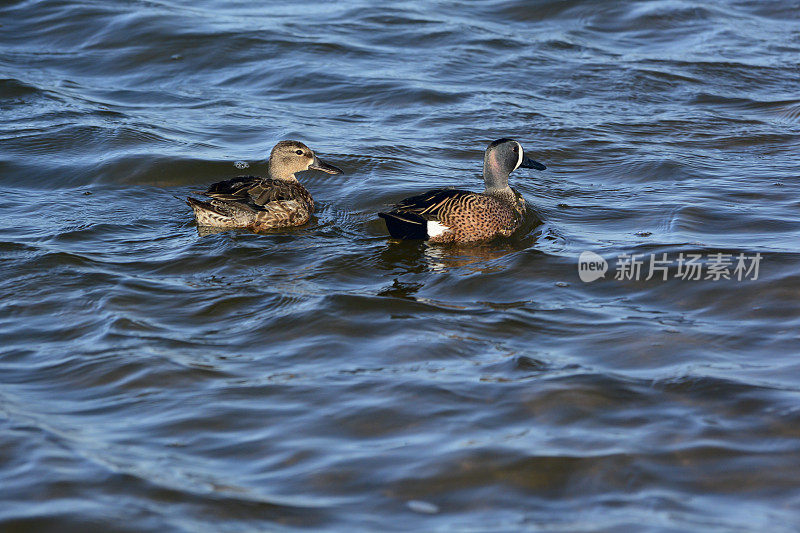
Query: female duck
{"points": [[263, 203], [456, 216]]}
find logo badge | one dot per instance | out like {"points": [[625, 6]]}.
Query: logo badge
{"points": [[591, 266]]}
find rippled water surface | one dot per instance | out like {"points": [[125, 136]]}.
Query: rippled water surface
{"points": [[157, 378]]}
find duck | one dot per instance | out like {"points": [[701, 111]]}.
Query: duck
{"points": [[461, 216], [258, 204]]}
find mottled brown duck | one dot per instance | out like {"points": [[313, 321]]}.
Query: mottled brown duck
{"points": [[256, 203], [460, 216]]}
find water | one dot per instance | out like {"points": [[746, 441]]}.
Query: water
{"points": [[326, 378]]}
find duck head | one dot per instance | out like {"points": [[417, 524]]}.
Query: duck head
{"points": [[289, 157], [502, 157]]}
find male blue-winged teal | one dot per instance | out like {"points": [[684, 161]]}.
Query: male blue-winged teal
{"points": [[263, 203], [455, 215]]}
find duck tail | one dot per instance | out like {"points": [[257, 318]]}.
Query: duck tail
{"points": [[405, 225], [199, 205], [209, 215]]}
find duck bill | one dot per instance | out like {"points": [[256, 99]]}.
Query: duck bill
{"points": [[530, 163], [323, 166]]}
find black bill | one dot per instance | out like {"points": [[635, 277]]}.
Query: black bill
{"points": [[530, 163], [324, 167]]}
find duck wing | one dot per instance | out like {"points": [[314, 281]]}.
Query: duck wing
{"points": [[254, 190], [232, 189], [430, 204]]}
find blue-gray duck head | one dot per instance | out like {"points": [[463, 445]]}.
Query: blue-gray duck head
{"points": [[504, 156]]}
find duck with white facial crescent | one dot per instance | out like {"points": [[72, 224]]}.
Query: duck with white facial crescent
{"points": [[459, 216]]}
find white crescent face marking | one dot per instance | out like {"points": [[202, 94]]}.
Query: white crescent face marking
{"points": [[519, 161], [435, 229]]}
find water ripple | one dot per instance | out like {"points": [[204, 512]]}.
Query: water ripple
{"points": [[160, 377]]}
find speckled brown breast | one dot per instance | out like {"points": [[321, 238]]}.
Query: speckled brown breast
{"points": [[477, 217]]}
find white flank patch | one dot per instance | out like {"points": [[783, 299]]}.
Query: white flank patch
{"points": [[519, 161], [435, 229]]}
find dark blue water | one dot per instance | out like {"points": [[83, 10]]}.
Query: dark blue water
{"points": [[157, 378]]}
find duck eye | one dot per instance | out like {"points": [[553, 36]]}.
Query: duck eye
{"points": [[516, 149], [298, 152]]}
